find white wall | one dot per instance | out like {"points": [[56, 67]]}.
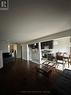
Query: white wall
{"points": [[50, 37], [4, 46], [24, 51], [30, 54], [34, 55], [1, 59], [62, 45], [18, 51]]}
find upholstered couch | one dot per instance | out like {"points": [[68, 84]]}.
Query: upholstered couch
{"points": [[7, 58]]}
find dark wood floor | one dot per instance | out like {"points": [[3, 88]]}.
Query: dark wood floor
{"points": [[22, 77]]}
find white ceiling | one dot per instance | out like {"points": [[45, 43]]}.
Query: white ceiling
{"points": [[31, 19]]}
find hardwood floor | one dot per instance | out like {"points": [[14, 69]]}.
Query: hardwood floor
{"points": [[22, 77]]}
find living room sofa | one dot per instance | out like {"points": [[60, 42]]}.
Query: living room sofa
{"points": [[7, 58]]}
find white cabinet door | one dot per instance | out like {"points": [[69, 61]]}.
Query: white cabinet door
{"points": [[1, 60]]}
